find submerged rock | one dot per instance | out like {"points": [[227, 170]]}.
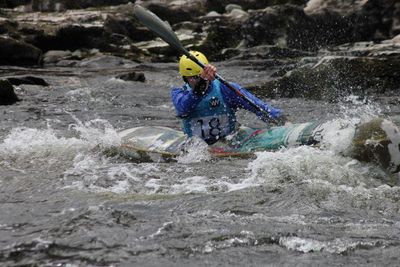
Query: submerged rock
{"points": [[132, 76], [27, 80], [7, 94]]}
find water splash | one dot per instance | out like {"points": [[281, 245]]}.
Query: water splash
{"points": [[38, 143], [26, 144], [307, 163], [336, 246], [359, 110], [196, 150], [96, 132]]}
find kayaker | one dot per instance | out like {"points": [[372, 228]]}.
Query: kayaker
{"points": [[207, 107]]}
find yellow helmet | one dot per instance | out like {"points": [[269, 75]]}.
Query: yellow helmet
{"points": [[189, 68]]}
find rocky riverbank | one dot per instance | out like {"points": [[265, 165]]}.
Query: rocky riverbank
{"points": [[313, 49]]}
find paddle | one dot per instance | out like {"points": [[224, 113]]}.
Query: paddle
{"points": [[165, 32]]}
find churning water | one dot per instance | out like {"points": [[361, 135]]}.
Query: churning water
{"points": [[65, 202]]}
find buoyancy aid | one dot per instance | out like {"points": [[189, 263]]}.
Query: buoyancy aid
{"points": [[211, 119]]}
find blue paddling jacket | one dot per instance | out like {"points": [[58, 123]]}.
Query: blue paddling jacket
{"points": [[212, 116]]}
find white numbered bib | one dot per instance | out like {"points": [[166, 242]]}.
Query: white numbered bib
{"points": [[211, 127]]}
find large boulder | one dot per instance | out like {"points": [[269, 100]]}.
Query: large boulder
{"points": [[284, 25], [370, 19], [289, 26], [323, 23], [18, 53], [333, 77]]}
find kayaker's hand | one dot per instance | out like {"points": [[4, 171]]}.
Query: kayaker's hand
{"points": [[208, 72]]}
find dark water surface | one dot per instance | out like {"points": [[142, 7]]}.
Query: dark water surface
{"points": [[63, 202]]}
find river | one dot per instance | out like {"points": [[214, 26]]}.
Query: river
{"points": [[64, 202]]}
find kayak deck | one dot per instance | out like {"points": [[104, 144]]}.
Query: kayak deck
{"points": [[375, 141]]}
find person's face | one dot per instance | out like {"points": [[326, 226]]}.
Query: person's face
{"points": [[193, 80]]}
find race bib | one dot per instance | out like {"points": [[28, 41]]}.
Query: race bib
{"points": [[212, 127]]}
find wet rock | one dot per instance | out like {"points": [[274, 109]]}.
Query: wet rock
{"points": [[54, 56], [334, 77], [68, 58], [219, 35], [7, 94], [104, 61], [13, 3], [285, 26], [132, 76], [220, 6], [176, 12], [388, 48], [271, 52], [370, 20], [342, 7], [111, 31], [127, 27], [8, 26], [288, 26], [74, 37], [238, 15], [18, 53], [61, 5], [314, 28], [231, 7], [27, 80]]}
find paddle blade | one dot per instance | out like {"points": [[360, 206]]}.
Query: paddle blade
{"points": [[159, 27]]}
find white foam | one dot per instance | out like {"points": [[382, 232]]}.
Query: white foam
{"points": [[337, 135], [359, 110], [38, 143], [50, 144], [196, 150], [304, 163], [336, 246], [195, 184]]}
